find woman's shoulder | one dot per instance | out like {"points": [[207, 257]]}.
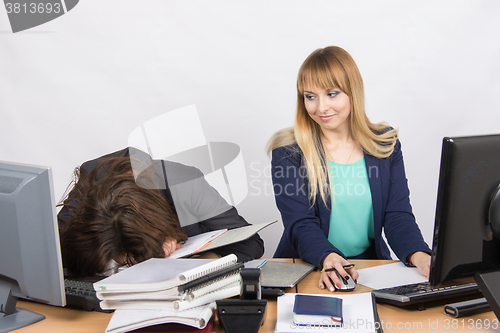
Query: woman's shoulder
{"points": [[384, 141], [396, 150], [287, 155], [292, 150], [381, 129]]}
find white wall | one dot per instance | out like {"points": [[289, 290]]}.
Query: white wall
{"points": [[74, 88]]}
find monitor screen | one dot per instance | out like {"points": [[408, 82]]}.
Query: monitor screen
{"points": [[30, 254], [469, 181]]}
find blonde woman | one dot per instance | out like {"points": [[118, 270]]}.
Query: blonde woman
{"points": [[339, 179]]}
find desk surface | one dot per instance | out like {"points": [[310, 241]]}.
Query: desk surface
{"points": [[393, 319]]}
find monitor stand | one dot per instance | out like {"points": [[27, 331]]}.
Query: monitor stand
{"points": [[489, 286], [11, 317]]}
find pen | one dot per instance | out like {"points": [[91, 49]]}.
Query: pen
{"points": [[333, 269]]}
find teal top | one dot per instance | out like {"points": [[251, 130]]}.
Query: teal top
{"points": [[351, 220]]}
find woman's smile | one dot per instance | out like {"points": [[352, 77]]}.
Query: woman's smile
{"points": [[329, 108], [326, 118]]}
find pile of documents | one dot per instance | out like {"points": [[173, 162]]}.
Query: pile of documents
{"points": [[184, 289]]}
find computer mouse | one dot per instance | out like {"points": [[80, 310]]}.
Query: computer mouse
{"points": [[347, 285]]}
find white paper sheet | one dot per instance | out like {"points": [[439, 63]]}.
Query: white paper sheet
{"points": [[195, 243], [357, 314], [390, 275]]}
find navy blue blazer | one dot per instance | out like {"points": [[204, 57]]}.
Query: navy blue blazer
{"points": [[306, 227]]}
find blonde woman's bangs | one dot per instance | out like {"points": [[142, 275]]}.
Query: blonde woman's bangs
{"points": [[324, 72]]}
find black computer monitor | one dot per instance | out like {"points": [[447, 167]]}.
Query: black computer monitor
{"points": [[466, 233], [30, 254]]}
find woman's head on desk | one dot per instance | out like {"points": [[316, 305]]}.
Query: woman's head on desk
{"points": [[115, 219]]}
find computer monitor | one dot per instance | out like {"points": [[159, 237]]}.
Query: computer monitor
{"points": [[466, 233], [30, 254]]}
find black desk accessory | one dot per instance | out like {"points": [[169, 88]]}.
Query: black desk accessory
{"points": [[270, 292], [489, 286], [467, 308], [244, 315]]}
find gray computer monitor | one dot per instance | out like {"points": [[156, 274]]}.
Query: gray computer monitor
{"points": [[30, 253]]}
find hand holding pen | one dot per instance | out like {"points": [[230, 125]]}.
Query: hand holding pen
{"points": [[324, 270], [333, 263]]}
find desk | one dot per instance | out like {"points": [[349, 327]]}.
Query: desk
{"points": [[393, 319]]}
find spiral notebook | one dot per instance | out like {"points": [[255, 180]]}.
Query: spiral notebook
{"points": [[207, 283], [160, 274], [229, 290]]}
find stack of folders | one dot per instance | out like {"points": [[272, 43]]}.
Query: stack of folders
{"points": [[184, 289]]}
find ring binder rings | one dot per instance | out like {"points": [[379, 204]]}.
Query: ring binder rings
{"points": [[226, 291], [188, 291], [200, 290], [210, 277]]}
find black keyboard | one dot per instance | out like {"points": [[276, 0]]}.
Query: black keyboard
{"points": [[81, 294], [422, 292]]}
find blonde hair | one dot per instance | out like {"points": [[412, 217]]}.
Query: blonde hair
{"points": [[327, 68]]}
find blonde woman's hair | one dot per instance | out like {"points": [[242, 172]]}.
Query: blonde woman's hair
{"points": [[327, 68]]}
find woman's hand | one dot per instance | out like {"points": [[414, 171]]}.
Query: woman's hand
{"points": [[422, 261], [170, 246], [327, 279]]}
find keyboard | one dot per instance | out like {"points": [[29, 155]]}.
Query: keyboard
{"points": [[81, 294], [419, 293]]}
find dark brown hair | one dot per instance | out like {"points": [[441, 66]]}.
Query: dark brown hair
{"points": [[114, 217]]}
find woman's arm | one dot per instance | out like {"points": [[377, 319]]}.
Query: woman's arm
{"points": [[201, 208], [301, 221], [400, 226], [249, 249]]}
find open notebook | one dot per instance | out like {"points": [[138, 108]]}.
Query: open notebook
{"points": [[217, 238]]}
